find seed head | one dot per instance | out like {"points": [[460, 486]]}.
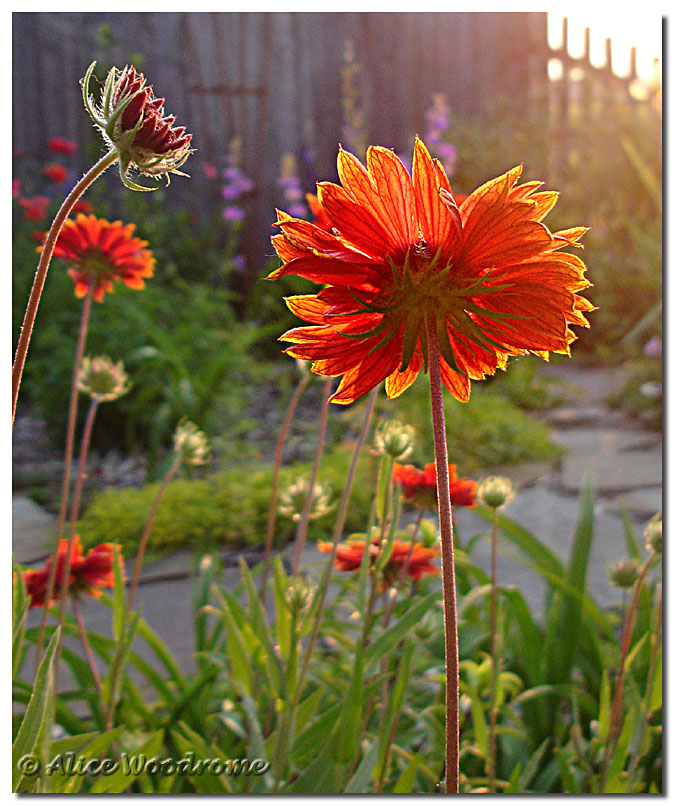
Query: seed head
{"points": [[191, 444], [103, 379]]}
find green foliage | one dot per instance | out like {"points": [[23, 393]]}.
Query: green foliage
{"points": [[224, 510], [490, 431], [642, 393]]}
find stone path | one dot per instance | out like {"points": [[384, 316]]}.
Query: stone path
{"points": [[626, 466]]}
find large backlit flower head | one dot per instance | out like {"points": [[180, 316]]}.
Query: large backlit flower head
{"points": [[88, 574], [132, 121], [403, 257], [100, 253]]}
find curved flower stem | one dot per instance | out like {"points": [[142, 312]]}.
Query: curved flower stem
{"points": [[289, 714], [301, 533], [87, 645], [494, 655], [447, 567], [146, 532], [67, 464], [43, 265], [278, 455], [615, 718], [74, 514]]}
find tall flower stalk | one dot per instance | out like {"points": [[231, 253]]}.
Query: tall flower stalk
{"points": [[43, 266], [67, 463], [274, 492], [415, 281], [301, 532], [447, 567]]}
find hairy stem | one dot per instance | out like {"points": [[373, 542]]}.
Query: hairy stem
{"points": [[43, 265], [494, 655], [87, 646], [301, 533], [67, 465], [74, 514], [278, 455], [447, 567], [146, 531]]}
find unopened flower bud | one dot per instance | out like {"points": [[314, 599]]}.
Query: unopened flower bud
{"points": [[103, 379], [132, 122], [394, 439], [191, 444], [625, 573], [495, 491], [653, 534], [292, 500], [299, 595]]}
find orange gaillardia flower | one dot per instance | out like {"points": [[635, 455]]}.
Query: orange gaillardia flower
{"points": [[349, 557], [419, 486], [132, 122], [100, 253], [88, 574], [402, 256]]}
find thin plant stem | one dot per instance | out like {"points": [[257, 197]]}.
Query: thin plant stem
{"points": [[649, 688], [289, 715], [617, 702], [74, 514], [67, 465], [494, 655], [87, 646], [43, 265], [301, 533], [391, 604], [278, 456], [447, 566], [146, 531]]}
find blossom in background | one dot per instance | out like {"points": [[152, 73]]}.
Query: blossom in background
{"points": [[35, 208], [438, 123], [292, 500], [495, 491], [191, 444], [210, 171], [237, 185], [16, 188], [55, 173], [101, 253], [487, 277], [88, 574], [289, 182], [419, 486], [349, 556], [82, 206], [61, 145], [103, 379], [233, 213], [132, 121]]}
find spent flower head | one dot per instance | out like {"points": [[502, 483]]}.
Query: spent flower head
{"points": [[495, 491], [394, 439], [133, 123], [191, 444], [102, 378], [653, 534], [625, 573], [292, 500]]}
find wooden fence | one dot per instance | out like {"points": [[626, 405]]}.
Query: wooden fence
{"points": [[275, 80]]}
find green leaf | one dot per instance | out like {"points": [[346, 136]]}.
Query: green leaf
{"points": [[532, 765], [406, 779], [92, 745], [615, 781], [283, 614], [388, 639], [358, 783], [188, 741], [349, 735], [563, 759], [127, 772], [38, 713]]}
